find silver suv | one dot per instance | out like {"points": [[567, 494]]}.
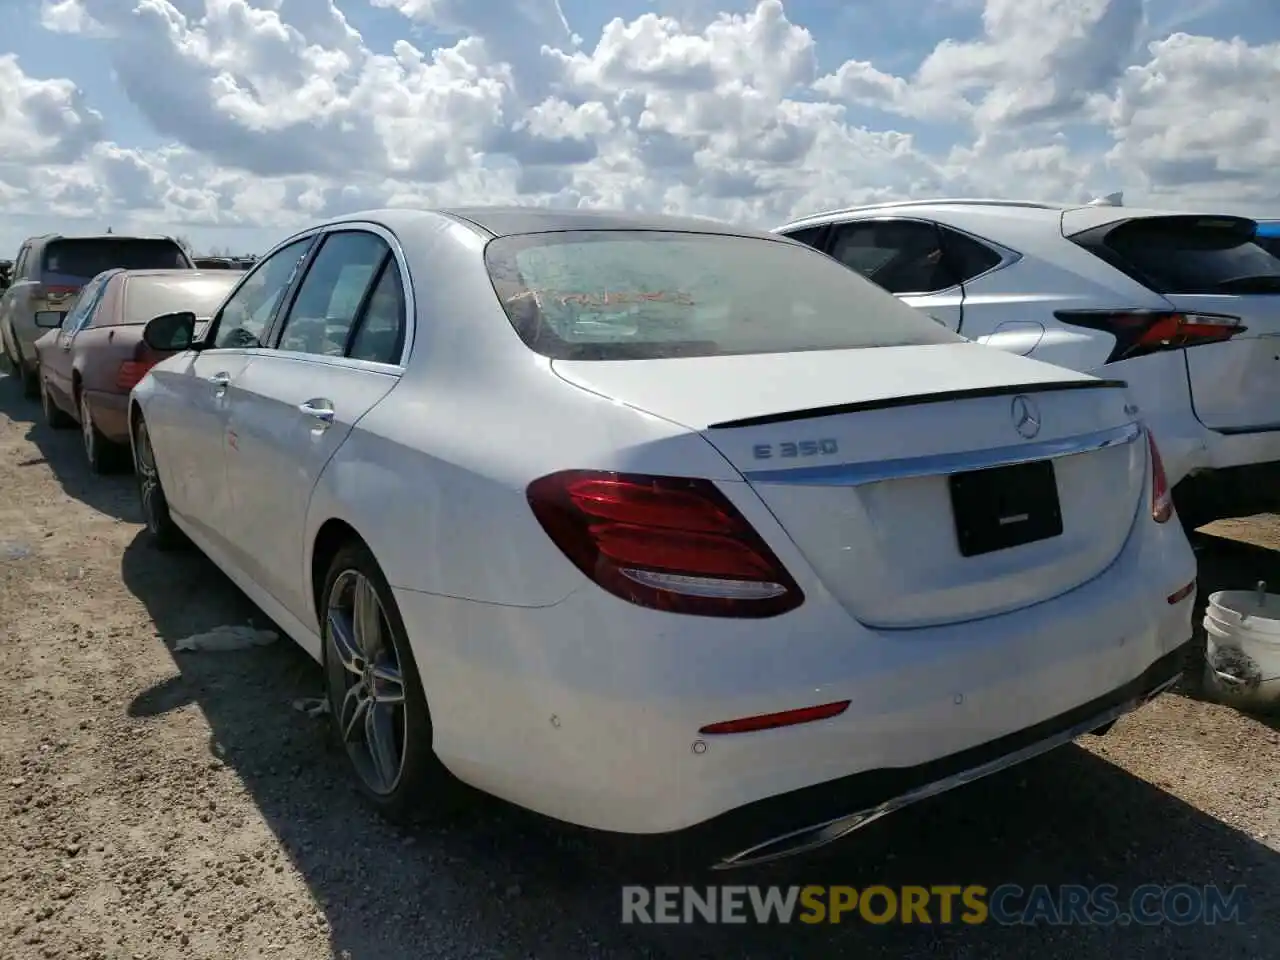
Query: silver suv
{"points": [[47, 276]]}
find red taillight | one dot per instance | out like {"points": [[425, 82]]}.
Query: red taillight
{"points": [[772, 721], [666, 543], [131, 372], [1161, 497], [1139, 332], [52, 292]]}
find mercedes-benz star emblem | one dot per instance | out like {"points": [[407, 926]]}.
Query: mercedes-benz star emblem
{"points": [[1026, 416]]}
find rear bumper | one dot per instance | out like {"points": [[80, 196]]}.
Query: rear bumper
{"points": [[804, 820], [110, 413], [589, 710], [1160, 386]]}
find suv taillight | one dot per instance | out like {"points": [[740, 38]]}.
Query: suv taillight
{"points": [[1139, 332], [665, 543], [1161, 496]]}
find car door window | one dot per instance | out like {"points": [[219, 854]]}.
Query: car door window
{"points": [[323, 313], [899, 255], [244, 318], [380, 334]]}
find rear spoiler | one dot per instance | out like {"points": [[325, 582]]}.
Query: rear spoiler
{"points": [[918, 399]]}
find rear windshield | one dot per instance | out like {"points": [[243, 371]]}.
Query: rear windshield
{"points": [[1196, 255], [79, 260], [623, 295], [147, 297]]}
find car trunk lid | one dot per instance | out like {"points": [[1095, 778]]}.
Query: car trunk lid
{"points": [[923, 484]]}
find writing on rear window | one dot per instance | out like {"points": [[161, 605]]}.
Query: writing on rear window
{"points": [[797, 448], [607, 298]]}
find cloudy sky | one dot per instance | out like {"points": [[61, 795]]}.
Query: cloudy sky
{"points": [[233, 121]]}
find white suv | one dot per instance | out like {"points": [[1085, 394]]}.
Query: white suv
{"points": [[1184, 307]]}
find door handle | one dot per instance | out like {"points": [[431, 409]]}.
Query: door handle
{"points": [[220, 379], [319, 409]]}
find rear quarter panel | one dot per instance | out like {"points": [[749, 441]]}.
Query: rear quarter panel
{"points": [[433, 478], [99, 351]]}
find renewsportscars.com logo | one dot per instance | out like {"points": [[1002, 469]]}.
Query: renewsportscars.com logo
{"points": [[1006, 905]]}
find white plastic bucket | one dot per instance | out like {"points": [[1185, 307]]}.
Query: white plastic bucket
{"points": [[1242, 657]]}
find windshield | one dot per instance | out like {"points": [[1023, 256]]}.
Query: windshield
{"points": [[619, 295], [148, 297], [76, 261]]}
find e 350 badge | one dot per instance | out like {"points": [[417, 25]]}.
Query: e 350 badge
{"points": [[797, 448]]}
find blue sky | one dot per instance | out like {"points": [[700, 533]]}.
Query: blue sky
{"points": [[744, 110]]}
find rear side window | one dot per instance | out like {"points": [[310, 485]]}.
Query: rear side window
{"points": [[1269, 242], [75, 260], [148, 297], [1187, 255], [621, 295], [810, 236], [966, 256]]}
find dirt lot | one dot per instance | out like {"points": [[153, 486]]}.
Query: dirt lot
{"points": [[156, 804]]}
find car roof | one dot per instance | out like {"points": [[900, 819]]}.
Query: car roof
{"points": [[172, 272], [957, 211], [51, 237], [502, 221]]}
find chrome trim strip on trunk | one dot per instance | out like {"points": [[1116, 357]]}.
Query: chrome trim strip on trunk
{"points": [[818, 835], [935, 464]]}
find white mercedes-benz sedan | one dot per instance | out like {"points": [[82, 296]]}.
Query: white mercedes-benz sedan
{"points": [[658, 525]]}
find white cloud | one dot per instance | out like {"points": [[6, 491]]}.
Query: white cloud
{"points": [[280, 111]]}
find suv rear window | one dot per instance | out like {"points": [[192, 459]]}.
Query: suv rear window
{"points": [[627, 295], [1188, 255], [78, 260]]}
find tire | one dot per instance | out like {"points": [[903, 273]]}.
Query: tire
{"points": [[165, 534], [10, 359], [103, 455], [30, 380], [411, 784], [54, 416]]}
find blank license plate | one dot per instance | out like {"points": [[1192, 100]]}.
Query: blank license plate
{"points": [[1004, 507]]}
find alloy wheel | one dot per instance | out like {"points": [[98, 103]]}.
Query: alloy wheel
{"points": [[366, 684], [148, 477]]}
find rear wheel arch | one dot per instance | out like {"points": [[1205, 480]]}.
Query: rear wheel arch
{"points": [[332, 536]]}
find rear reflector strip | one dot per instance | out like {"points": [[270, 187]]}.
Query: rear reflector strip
{"points": [[771, 721], [1183, 593]]}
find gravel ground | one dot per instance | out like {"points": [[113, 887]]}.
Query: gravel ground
{"points": [[175, 805]]}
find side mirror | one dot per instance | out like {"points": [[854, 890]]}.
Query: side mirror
{"points": [[49, 319], [170, 331]]}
